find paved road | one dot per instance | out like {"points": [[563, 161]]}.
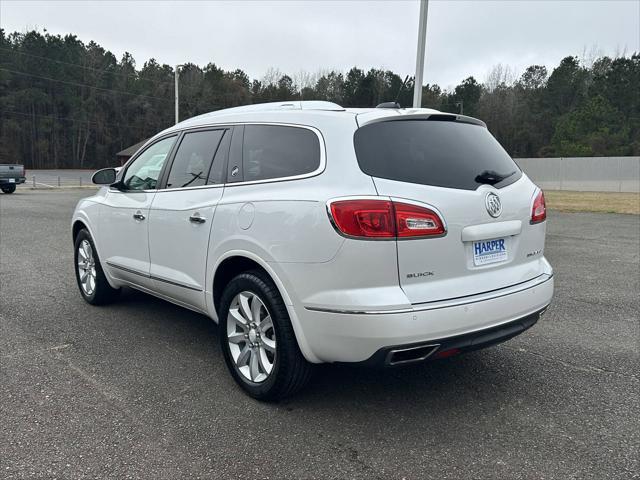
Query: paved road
{"points": [[139, 389]]}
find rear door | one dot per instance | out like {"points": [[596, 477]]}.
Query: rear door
{"points": [[181, 215], [458, 168]]}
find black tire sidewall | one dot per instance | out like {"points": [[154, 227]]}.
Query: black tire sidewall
{"points": [[8, 188], [103, 293], [263, 288], [83, 235]]}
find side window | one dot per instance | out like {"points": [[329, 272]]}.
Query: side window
{"points": [[216, 173], [193, 159], [273, 151], [143, 173]]}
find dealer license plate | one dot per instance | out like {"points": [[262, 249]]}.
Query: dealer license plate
{"points": [[489, 251]]}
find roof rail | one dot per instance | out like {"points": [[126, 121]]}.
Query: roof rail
{"points": [[288, 105]]}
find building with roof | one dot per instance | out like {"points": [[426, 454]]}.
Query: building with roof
{"points": [[124, 155]]}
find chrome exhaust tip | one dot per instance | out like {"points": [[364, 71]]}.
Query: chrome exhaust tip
{"points": [[403, 356]]}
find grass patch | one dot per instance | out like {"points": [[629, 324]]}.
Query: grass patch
{"points": [[605, 202]]}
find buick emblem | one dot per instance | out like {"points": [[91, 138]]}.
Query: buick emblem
{"points": [[493, 204]]}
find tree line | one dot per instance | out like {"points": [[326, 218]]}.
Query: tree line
{"points": [[69, 104]]}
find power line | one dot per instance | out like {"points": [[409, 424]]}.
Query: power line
{"points": [[126, 75], [189, 88], [53, 117], [137, 77], [83, 85]]}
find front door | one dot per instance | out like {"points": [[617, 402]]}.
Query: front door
{"points": [[182, 213], [124, 214]]}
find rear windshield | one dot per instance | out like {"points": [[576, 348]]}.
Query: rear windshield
{"points": [[442, 153]]}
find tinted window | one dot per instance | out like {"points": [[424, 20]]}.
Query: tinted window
{"points": [[216, 174], [271, 151], [193, 159], [144, 171], [441, 153]]}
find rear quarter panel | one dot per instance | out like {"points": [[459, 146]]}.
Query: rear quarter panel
{"points": [[285, 223]]}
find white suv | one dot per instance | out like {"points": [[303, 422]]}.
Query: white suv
{"points": [[313, 233]]}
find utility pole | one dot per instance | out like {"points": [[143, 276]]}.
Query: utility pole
{"points": [[176, 77], [422, 39]]}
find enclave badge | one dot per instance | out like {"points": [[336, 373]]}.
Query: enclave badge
{"points": [[493, 204]]}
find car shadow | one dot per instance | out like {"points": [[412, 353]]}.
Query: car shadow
{"points": [[448, 385]]}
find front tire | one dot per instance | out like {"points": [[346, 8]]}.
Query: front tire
{"points": [[257, 339], [8, 188], [92, 282]]}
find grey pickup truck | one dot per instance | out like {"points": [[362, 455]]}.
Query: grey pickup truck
{"points": [[10, 176]]}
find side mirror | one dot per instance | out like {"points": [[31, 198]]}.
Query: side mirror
{"points": [[106, 176]]}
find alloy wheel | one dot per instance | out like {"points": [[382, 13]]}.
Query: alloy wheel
{"points": [[251, 337], [86, 268]]}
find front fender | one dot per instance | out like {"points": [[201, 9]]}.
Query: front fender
{"points": [[87, 212]]}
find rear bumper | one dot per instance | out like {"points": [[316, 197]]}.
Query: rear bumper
{"points": [[17, 180], [444, 347], [367, 337]]}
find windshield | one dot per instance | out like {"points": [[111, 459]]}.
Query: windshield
{"points": [[442, 153]]}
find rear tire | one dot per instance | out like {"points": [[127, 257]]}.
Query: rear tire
{"points": [[92, 282], [257, 339], [8, 188]]}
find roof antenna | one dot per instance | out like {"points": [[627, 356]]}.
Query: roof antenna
{"points": [[395, 103], [406, 79]]}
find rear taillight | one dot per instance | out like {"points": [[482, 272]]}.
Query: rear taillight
{"points": [[414, 221], [364, 218], [384, 219], [539, 209]]}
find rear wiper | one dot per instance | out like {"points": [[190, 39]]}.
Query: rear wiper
{"points": [[491, 178]]}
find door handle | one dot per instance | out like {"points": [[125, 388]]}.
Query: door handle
{"points": [[196, 218], [138, 215]]}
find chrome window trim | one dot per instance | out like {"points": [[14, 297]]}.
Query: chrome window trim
{"points": [[115, 190], [323, 152], [446, 303], [321, 167], [199, 187]]}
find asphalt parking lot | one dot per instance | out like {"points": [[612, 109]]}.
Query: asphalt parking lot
{"points": [[139, 389]]}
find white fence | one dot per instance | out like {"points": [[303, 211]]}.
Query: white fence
{"points": [[599, 174]]}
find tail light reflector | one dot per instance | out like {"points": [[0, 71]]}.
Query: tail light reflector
{"points": [[373, 218], [539, 209], [447, 353]]}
